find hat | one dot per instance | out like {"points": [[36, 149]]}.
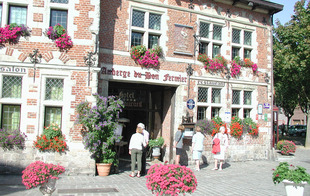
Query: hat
{"points": [[141, 125]]}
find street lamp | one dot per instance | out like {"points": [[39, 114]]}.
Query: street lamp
{"points": [[35, 58]]}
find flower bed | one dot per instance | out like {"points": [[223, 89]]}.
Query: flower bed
{"points": [[12, 139], [12, 32], [217, 122], [206, 126], [59, 34], [52, 139], [39, 172], [147, 58], [286, 147], [170, 179]]}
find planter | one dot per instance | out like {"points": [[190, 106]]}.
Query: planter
{"points": [[48, 187], [103, 169], [156, 152], [293, 189]]}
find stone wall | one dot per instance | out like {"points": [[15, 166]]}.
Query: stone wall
{"points": [[76, 160]]}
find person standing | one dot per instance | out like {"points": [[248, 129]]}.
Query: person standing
{"points": [[178, 143], [220, 156], [197, 146], [146, 137], [135, 150]]}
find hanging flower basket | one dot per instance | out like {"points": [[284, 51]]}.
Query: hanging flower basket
{"points": [[12, 32], [146, 58], [59, 34]]}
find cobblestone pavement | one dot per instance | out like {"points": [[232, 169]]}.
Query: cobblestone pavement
{"points": [[237, 178]]}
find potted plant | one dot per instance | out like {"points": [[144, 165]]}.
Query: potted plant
{"points": [[11, 139], [156, 144], [147, 58], [42, 174], [286, 147], [236, 128], [52, 139], [99, 123], [170, 179], [294, 178], [206, 125]]}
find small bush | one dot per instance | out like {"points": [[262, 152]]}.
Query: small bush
{"points": [[286, 147], [12, 139]]}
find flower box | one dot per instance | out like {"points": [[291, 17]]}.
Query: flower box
{"points": [[146, 57], [12, 32], [59, 34]]}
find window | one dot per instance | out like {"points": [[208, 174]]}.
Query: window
{"points": [[52, 115], [202, 94], [54, 89], [204, 29], [59, 16], [236, 36], [215, 112], [246, 113], [216, 95], [0, 13], [18, 15], [241, 44], [235, 112], [10, 117], [12, 87], [236, 97], [247, 98], [146, 28], [247, 38], [60, 1], [217, 32], [235, 53], [203, 48], [216, 50], [201, 113]]}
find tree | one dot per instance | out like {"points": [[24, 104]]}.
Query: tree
{"points": [[292, 60]]}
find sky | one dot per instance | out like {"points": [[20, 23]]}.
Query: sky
{"points": [[288, 10]]}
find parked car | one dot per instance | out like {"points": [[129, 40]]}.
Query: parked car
{"points": [[297, 130]]}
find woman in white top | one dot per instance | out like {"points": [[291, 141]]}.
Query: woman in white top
{"points": [[135, 150], [223, 147], [197, 146]]}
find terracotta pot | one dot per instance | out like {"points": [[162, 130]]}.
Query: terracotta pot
{"points": [[103, 169]]}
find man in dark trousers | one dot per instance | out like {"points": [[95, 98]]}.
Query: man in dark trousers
{"points": [[146, 136]]}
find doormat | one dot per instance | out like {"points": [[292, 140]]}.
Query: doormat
{"points": [[98, 190]]}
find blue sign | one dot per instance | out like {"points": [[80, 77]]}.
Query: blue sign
{"points": [[190, 104], [266, 105]]}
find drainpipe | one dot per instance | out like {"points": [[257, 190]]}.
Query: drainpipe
{"points": [[271, 79]]}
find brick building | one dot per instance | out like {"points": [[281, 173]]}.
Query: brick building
{"points": [[158, 95], [31, 101], [162, 96]]}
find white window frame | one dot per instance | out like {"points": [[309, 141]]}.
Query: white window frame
{"points": [[210, 41], [241, 45], [145, 30], [241, 106]]}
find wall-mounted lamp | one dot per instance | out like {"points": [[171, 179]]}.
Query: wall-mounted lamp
{"points": [[267, 78], [228, 74], [35, 58], [191, 5], [228, 13], [189, 70], [264, 21], [250, 4]]}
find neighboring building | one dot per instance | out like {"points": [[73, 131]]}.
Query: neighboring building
{"points": [[31, 102], [299, 118], [183, 29]]}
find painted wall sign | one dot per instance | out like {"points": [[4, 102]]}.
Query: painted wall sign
{"points": [[13, 69], [210, 83], [138, 74]]}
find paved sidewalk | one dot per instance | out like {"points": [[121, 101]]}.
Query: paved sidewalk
{"points": [[237, 178]]}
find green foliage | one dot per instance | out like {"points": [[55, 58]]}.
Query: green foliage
{"points": [[52, 131], [292, 60], [158, 142], [99, 123], [295, 174]]}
